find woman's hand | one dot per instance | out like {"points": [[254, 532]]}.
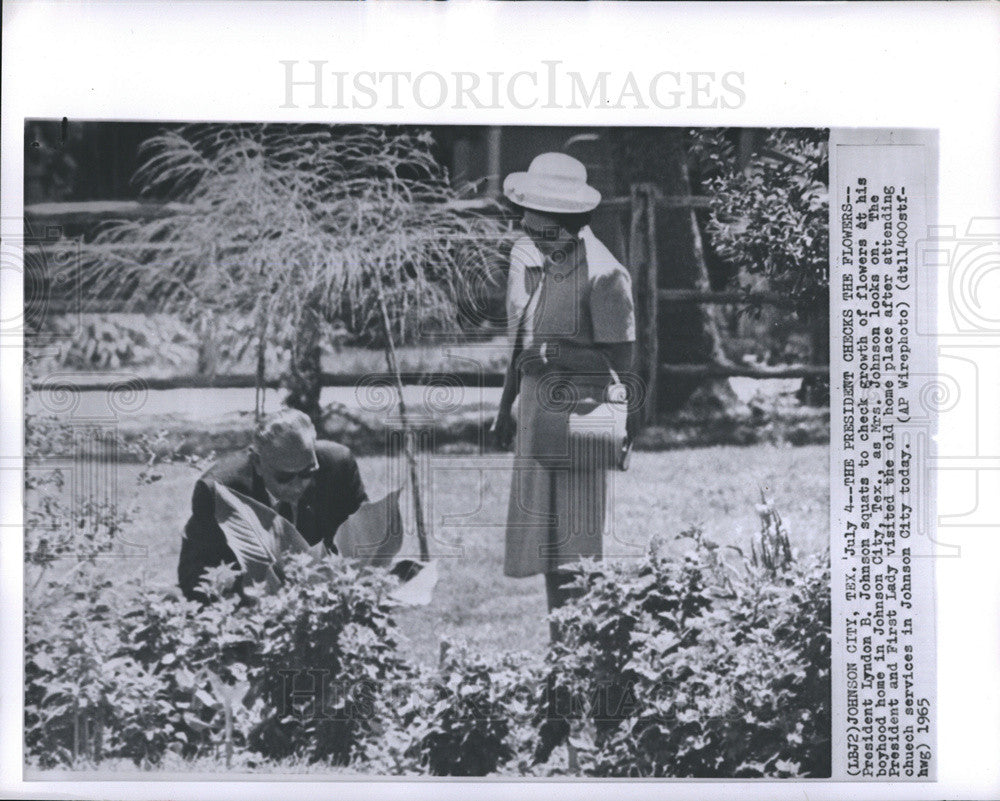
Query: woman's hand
{"points": [[503, 428]]}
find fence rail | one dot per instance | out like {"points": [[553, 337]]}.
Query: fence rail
{"points": [[643, 245], [724, 297], [86, 383], [94, 211]]}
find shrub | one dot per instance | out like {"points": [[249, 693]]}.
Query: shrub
{"points": [[769, 220], [769, 217], [130, 672], [468, 717], [713, 664], [111, 342], [328, 644], [704, 666]]}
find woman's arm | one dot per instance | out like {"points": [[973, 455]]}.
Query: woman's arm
{"points": [[620, 356], [503, 426]]}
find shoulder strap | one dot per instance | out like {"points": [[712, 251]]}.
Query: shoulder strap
{"points": [[523, 317]]}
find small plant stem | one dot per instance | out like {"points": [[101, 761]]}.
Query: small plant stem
{"points": [[229, 733], [261, 351], [408, 448]]}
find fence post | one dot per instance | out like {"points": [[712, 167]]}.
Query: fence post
{"points": [[644, 266], [688, 331]]}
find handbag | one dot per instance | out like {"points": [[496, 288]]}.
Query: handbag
{"points": [[597, 430]]}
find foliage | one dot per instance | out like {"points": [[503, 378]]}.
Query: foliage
{"points": [[129, 672], [118, 669], [292, 227], [712, 666], [51, 172], [110, 342], [769, 218], [468, 717]]}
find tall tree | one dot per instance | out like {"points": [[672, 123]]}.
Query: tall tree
{"points": [[769, 219], [688, 333]]}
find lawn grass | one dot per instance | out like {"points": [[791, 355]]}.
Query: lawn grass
{"points": [[662, 493]]}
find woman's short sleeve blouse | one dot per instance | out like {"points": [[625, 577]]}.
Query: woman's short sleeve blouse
{"points": [[586, 301]]}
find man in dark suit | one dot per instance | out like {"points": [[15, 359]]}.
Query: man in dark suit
{"points": [[313, 483]]}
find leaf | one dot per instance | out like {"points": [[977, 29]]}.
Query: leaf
{"points": [[218, 686], [196, 723], [185, 679], [374, 533], [207, 699], [238, 692], [43, 661], [255, 547]]}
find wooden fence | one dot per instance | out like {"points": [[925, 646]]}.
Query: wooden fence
{"points": [[642, 207]]}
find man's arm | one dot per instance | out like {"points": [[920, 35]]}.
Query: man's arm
{"points": [[351, 489], [204, 544]]}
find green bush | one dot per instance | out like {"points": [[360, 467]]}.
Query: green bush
{"points": [[768, 217], [713, 664], [707, 666]]}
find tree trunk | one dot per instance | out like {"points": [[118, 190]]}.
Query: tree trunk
{"points": [[815, 390], [304, 376], [208, 346], [644, 266], [688, 332]]}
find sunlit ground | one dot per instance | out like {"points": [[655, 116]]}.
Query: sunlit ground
{"points": [[662, 493]]}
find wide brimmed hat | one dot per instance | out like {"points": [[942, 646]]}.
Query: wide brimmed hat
{"points": [[555, 183]]}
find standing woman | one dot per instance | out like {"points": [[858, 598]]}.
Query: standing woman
{"points": [[573, 332]]}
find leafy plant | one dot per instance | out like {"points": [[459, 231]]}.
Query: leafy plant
{"points": [[109, 342], [712, 664], [706, 666], [299, 226], [467, 717], [769, 219]]}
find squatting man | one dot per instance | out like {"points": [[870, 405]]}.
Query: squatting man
{"points": [[314, 484]]}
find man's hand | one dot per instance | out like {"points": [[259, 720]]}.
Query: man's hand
{"points": [[503, 429]]}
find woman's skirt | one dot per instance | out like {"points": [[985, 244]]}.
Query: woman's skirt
{"points": [[558, 505]]}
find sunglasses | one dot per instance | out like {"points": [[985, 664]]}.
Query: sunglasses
{"points": [[284, 477]]}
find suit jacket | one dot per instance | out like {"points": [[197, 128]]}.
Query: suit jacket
{"points": [[334, 493]]}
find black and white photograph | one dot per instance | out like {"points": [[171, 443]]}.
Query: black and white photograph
{"points": [[477, 399], [446, 451]]}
